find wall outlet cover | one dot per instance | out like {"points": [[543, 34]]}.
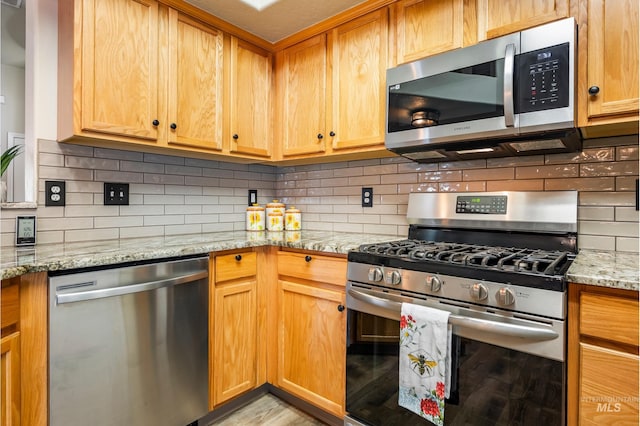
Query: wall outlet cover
{"points": [[55, 193]]}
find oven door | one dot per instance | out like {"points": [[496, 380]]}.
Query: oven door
{"points": [[491, 383]]}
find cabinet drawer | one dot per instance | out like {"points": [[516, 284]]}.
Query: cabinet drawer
{"points": [[313, 267], [234, 266], [609, 317]]}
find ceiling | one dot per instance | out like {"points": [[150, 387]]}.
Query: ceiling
{"points": [[274, 21]]}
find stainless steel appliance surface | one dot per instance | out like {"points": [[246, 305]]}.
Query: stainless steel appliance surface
{"points": [[496, 261], [129, 345], [512, 95]]}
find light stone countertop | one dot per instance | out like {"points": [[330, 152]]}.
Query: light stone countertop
{"points": [[605, 269], [54, 257], [600, 268]]}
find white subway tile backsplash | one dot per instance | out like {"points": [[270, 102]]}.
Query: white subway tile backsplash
{"points": [[140, 166], [119, 176], [163, 199], [626, 214], [91, 163], [596, 242], [91, 235], [183, 229], [604, 213], [165, 219], [118, 221], [628, 244]]}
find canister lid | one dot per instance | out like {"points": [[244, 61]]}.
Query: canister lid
{"points": [[275, 203], [254, 208], [275, 213], [292, 209]]}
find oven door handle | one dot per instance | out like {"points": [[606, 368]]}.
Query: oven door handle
{"points": [[495, 327]]}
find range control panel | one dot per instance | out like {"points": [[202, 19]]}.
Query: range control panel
{"points": [[483, 204]]}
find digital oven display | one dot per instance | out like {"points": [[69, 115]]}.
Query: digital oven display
{"points": [[484, 204]]}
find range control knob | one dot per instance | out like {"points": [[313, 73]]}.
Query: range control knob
{"points": [[505, 297], [478, 291], [375, 274], [434, 282], [393, 277]]}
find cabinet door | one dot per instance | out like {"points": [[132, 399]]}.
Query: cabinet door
{"points": [[120, 67], [235, 340], [359, 63], [500, 17], [612, 51], [195, 83], [425, 28], [608, 387], [10, 380], [312, 344], [250, 99], [302, 97]]}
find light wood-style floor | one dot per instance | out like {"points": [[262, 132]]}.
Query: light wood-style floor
{"points": [[267, 410]]}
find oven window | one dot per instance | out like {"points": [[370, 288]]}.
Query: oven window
{"points": [[462, 95], [490, 385]]}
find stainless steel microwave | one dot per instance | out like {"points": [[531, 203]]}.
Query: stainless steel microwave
{"points": [[513, 95]]}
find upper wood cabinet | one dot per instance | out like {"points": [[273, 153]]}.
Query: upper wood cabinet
{"points": [[608, 62], [426, 27], [139, 72], [250, 99], [302, 72], [108, 69], [500, 17], [195, 83], [359, 60], [331, 89]]}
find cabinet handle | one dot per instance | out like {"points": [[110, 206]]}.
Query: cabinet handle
{"points": [[235, 136], [340, 308], [307, 258], [238, 257], [594, 90], [173, 126], [320, 136], [332, 133], [155, 122]]}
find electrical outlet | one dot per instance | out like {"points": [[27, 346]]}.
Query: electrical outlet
{"points": [[116, 194], [253, 197], [367, 197], [54, 192]]}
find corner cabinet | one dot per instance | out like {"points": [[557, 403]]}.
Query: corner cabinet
{"points": [[603, 361], [250, 99], [608, 63], [311, 328], [236, 335]]}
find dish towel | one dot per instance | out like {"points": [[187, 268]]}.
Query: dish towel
{"points": [[425, 361]]}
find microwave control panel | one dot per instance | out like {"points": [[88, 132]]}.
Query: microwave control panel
{"points": [[543, 79]]}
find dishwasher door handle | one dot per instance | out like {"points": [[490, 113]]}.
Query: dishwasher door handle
{"points": [[127, 289]]}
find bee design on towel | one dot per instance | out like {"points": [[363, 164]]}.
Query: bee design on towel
{"points": [[421, 364]]}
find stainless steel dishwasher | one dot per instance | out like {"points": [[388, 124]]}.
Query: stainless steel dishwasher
{"points": [[129, 345]]}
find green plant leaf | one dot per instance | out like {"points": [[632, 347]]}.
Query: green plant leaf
{"points": [[7, 157]]}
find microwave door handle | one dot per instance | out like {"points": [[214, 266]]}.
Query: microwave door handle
{"points": [[509, 57]]}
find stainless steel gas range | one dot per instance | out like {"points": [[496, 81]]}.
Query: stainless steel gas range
{"points": [[496, 261]]}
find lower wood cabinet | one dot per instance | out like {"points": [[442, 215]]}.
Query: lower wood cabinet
{"points": [[603, 359], [234, 327], [10, 380], [311, 329]]}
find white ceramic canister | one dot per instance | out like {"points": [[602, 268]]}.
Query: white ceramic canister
{"points": [[255, 218], [292, 219], [275, 221], [275, 206]]}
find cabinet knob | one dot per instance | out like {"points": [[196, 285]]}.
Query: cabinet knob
{"points": [[173, 126], [332, 133], [307, 258], [238, 257], [235, 136], [320, 136], [594, 90], [155, 122], [340, 308]]}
